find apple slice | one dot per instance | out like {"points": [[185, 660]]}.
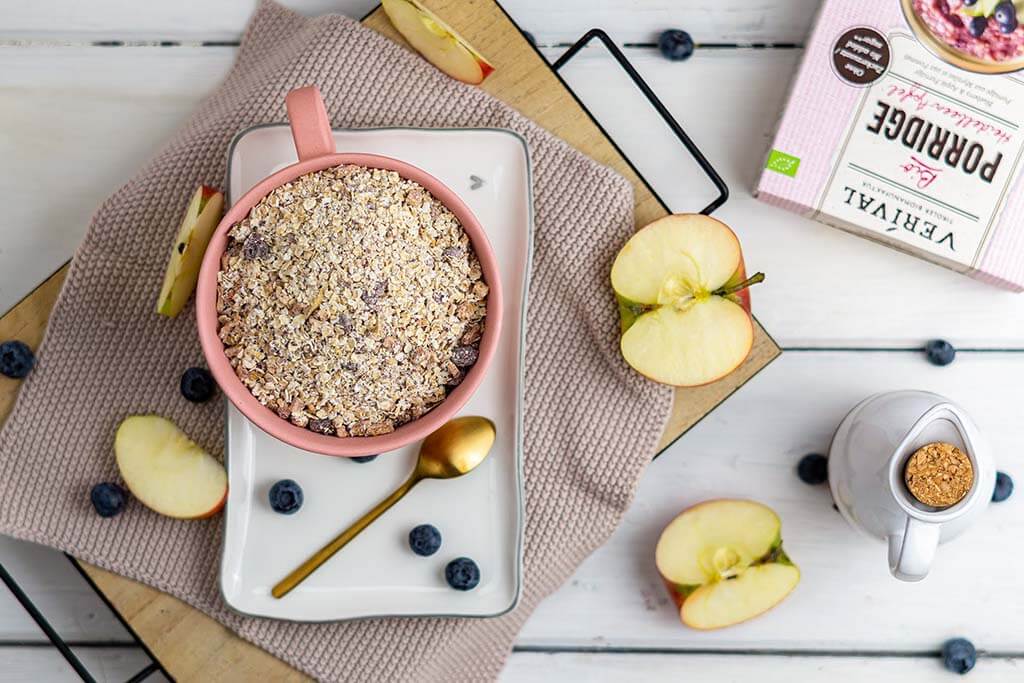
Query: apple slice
{"points": [[723, 563], [753, 592], [167, 471], [681, 287], [201, 218], [437, 41]]}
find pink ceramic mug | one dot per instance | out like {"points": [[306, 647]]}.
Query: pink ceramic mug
{"points": [[314, 142]]}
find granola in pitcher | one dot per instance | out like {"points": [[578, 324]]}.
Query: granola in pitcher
{"points": [[349, 299]]}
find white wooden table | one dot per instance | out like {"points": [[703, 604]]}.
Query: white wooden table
{"points": [[81, 115]]}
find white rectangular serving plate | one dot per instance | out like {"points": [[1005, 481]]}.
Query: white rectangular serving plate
{"points": [[479, 515]]}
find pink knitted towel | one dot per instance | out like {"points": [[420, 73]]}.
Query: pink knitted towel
{"points": [[107, 355]]}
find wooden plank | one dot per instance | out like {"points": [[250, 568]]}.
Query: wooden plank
{"points": [[107, 664], [139, 95], [724, 21], [194, 647], [646, 668], [846, 600], [114, 665], [191, 645], [59, 592]]}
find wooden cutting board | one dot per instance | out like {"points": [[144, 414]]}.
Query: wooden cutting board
{"points": [[192, 646]]}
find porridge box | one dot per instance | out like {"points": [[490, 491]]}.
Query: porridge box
{"points": [[904, 125]]}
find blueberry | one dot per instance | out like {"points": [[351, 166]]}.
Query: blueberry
{"points": [[675, 45], [286, 497], [108, 499], [197, 385], [940, 352], [977, 26], [1004, 487], [813, 469], [1006, 16], [959, 655], [425, 539], [16, 359], [364, 458], [970, 3], [462, 574]]}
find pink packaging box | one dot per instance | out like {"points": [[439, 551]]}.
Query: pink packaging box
{"points": [[904, 125]]}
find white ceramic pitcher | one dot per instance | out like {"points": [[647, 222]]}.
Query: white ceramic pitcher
{"points": [[865, 468]]}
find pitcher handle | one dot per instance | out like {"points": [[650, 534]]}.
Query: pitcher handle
{"points": [[911, 552], [311, 128]]}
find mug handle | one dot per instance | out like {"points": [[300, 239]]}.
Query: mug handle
{"points": [[311, 129], [911, 552]]}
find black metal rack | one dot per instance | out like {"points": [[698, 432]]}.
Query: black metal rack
{"points": [[666, 116]]}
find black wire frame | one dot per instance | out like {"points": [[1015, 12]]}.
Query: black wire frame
{"points": [[666, 115], [62, 645], [723, 195]]}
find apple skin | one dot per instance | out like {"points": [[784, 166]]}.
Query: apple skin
{"points": [[741, 297], [215, 510], [486, 67]]}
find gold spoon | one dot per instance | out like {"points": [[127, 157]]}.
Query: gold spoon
{"points": [[452, 451]]}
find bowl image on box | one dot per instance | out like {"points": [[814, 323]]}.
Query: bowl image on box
{"points": [[983, 36], [899, 130]]}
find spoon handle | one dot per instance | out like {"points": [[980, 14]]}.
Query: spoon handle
{"points": [[341, 540]]}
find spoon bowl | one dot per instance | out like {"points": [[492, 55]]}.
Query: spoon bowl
{"points": [[456, 448]]}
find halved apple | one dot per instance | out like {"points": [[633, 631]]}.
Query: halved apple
{"points": [[437, 41], [201, 218], [723, 563], [685, 313], [167, 471]]}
